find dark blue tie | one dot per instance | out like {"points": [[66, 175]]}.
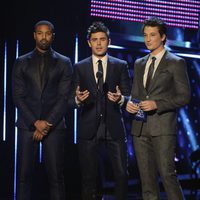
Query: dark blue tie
{"points": [[100, 76]]}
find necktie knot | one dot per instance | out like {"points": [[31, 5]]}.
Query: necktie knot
{"points": [[153, 59], [99, 61]]}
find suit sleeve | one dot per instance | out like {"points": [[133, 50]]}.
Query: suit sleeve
{"points": [[125, 83], [19, 92], [59, 110], [135, 86], [75, 82], [181, 88]]}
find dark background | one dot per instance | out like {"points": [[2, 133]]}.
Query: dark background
{"points": [[71, 20]]}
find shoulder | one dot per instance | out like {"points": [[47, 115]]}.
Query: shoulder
{"points": [[115, 60], [61, 56], [84, 62], [25, 56], [174, 63], [173, 57], [142, 59], [22, 60]]}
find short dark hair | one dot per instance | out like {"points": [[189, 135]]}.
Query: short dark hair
{"points": [[45, 22], [98, 26], [156, 22]]}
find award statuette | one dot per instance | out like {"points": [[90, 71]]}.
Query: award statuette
{"points": [[140, 115]]}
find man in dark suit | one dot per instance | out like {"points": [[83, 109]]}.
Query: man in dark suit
{"points": [[157, 95], [102, 86], [41, 84]]}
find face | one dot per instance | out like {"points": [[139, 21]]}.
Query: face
{"points": [[153, 40], [43, 36], [98, 43]]}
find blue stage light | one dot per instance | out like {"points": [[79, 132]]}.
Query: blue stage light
{"points": [[5, 92], [186, 123], [75, 110]]}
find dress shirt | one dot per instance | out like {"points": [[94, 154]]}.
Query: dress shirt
{"points": [[157, 61], [95, 70], [95, 66]]}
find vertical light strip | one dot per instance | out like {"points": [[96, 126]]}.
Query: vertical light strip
{"points": [[40, 153], [189, 130], [75, 110], [16, 137], [5, 91]]}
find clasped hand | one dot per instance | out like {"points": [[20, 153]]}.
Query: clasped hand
{"points": [[42, 129], [148, 105]]}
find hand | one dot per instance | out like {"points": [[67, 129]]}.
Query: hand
{"points": [[148, 105], [37, 136], [81, 96], [43, 126], [115, 97], [132, 107]]}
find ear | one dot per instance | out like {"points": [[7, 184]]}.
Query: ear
{"points": [[163, 37], [53, 36], [109, 41], [34, 35], [89, 43]]}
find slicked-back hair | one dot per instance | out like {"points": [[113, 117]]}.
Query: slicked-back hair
{"points": [[156, 22], [96, 27], [44, 22]]}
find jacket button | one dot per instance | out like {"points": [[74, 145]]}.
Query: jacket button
{"points": [[147, 97]]}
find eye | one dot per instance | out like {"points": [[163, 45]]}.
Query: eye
{"points": [[49, 34], [103, 39], [93, 39]]}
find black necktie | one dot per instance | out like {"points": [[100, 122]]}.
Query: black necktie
{"points": [[100, 75], [150, 73]]}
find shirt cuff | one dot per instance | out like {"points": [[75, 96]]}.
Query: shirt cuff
{"points": [[78, 103], [121, 102]]}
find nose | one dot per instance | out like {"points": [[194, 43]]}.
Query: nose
{"points": [[148, 38], [44, 36], [98, 42]]}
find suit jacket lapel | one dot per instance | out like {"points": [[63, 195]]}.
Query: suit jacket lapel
{"points": [[141, 75], [109, 70], [160, 67], [91, 78], [50, 66], [33, 67]]}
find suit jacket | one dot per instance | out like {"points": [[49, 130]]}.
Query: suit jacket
{"points": [[169, 89], [36, 102], [117, 74]]}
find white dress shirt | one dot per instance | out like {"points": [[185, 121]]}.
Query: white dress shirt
{"points": [[157, 61]]}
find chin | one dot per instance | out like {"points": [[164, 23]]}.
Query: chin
{"points": [[101, 54]]}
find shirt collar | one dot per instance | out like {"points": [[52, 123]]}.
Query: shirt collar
{"points": [[159, 55], [47, 53], [104, 59]]}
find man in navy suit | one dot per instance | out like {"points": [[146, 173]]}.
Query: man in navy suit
{"points": [[41, 84], [102, 86], [160, 87]]}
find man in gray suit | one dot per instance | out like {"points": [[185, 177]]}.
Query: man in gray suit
{"points": [[160, 86]]}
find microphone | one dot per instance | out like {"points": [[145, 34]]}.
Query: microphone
{"points": [[99, 74]]}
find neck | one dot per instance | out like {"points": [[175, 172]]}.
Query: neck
{"points": [[42, 50], [157, 51]]}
